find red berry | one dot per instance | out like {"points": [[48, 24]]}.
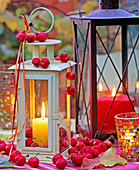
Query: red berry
{"points": [[86, 149], [34, 145], [20, 37], [72, 150], [28, 132], [70, 90], [8, 148], [28, 141], [97, 147], [108, 143], [2, 146], [56, 157], [86, 140], [78, 158], [73, 142], [95, 152], [71, 75], [103, 147], [31, 37], [88, 155], [64, 57], [14, 154], [41, 36], [35, 62], [61, 163], [44, 63], [97, 141], [79, 145], [20, 160], [91, 142], [33, 162]]}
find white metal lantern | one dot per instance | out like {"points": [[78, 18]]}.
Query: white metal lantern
{"points": [[48, 106]]}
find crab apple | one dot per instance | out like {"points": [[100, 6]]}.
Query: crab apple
{"points": [[56, 157], [71, 76], [14, 154], [86, 140], [72, 150], [61, 163], [41, 36], [8, 148], [20, 36], [86, 149], [34, 145], [95, 152], [91, 142], [62, 132], [28, 141], [97, 147], [97, 141], [79, 145], [44, 63], [65, 143], [20, 160], [71, 133], [57, 58], [88, 155], [2, 146], [78, 159], [64, 57], [73, 142], [108, 143], [46, 145], [31, 37], [35, 62], [1, 141], [103, 147], [70, 90], [28, 131], [33, 162]]}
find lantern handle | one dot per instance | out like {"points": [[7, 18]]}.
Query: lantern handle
{"points": [[52, 16]]}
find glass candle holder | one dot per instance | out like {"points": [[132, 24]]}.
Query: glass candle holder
{"points": [[127, 126]]}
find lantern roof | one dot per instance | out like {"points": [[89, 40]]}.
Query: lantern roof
{"points": [[54, 66]]}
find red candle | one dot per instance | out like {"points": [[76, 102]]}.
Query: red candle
{"points": [[120, 105]]}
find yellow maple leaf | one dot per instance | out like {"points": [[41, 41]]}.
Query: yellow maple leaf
{"points": [[89, 6], [4, 4]]}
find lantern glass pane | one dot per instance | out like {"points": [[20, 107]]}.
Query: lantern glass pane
{"points": [[37, 109], [64, 101]]}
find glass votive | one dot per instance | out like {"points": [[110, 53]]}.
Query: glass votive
{"points": [[127, 126]]}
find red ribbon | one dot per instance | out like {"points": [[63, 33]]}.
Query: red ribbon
{"points": [[24, 21]]}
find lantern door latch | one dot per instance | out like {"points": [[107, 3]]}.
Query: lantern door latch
{"points": [[61, 118]]}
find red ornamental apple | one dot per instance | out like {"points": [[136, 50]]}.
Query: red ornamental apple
{"points": [[71, 75], [31, 37], [46, 145], [108, 143], [79, 145], [44, 63], [65, 143], [28, 141], [61, 163], [14, 154], [70, 90], [95, 152], [2, 141], [71, 133], [20, 160], [57, 58], [103, 147], [73, 142], [72, 150], [35, 62], [41, 36], [86, 149], [97, 147], [62, 132], [33, 162], [34, 145], [21, 37], [91, 142], [64, 57], [56, 157], [77, 158], [2, 146], [28, 132], [97, 141], [88, 155], [86, 140], [8, 148]]}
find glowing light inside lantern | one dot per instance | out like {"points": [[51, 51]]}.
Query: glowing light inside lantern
{"points": [[43, 110], [137, 85], [100, 88], [113, 91]]}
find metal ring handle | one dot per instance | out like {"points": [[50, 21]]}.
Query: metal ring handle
{"points": [[30, 23]]}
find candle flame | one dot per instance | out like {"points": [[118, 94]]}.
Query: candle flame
{"points": [[43, 110], [137, 85], [100, 88], [113, 91]]}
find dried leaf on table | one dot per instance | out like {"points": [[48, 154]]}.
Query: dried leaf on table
{"points": [[5, 164], [109, 159]]}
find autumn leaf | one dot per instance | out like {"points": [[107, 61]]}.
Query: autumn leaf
{"points": [[109, 159], [89, 6], [3, 5]]}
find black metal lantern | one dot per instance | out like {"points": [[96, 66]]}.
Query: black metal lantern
{"points": [[108, 15]]}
